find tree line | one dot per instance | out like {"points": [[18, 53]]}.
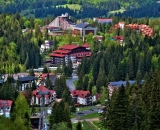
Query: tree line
{"points": [[134, 106]]}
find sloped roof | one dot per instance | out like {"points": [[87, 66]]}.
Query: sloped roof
{"points": [[61, 51], [68, 47], [86, 45], [42, 89], [80, 93], [81, 25], [119, 83], [27, 78], [57, 55], [6, 103]]}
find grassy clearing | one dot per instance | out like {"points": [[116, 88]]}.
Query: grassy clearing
{"points": [[93, 115], [71, 6], [116, 11], [88, 108]]}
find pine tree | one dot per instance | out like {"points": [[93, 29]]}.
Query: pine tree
{"points": [[79, 126], [154, 111], [22, 112], [119, 113]]}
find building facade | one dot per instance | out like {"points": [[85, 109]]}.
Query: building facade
{"points": [[37, 98], [69, 52], [81, 97]]}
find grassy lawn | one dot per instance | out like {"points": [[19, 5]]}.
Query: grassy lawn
{"points": [[93, 115], [85, 126], [71, 6], [88, 108], [99, 125]]}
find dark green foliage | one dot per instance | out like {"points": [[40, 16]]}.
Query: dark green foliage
{"points": [[48, 82], [60, 86], [60, 113], [45, 70], [79, 126], [119, 112]]}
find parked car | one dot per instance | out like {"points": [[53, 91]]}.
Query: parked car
{"points": [[79, 113]]}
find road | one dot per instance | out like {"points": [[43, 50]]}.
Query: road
{"points": [[70, 81]]}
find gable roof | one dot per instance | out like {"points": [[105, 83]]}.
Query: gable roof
{"points": [[68, 47], [42, 89], [6, 103], [80, 93]]}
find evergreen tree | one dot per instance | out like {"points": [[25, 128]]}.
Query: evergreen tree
{"points": [[22, 113], [48, 82], [154, 111], [79, 126], [104, 96], [119, 113]]}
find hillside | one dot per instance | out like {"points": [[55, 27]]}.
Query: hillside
{"points": [[79, 9]]}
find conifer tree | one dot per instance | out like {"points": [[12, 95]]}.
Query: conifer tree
{"points": [[119, 113], [22, 113], [79, 126]]}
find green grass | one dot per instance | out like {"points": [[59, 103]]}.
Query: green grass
{"points": [[99, 125], [84, 126], [75, 83], [71, 6], [88, 108], [93, 115], [116, 11]]}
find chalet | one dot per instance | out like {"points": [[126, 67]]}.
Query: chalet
{"points": [[25, 82], [83, 29], [69, 52], [81, 97], [5, 107], [46, 46], [50, 96]]}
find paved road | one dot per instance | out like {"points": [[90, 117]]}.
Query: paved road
{"points": [[70, 81]]}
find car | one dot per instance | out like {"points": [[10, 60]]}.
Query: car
{"points": [[79, 113], [91, 109]]}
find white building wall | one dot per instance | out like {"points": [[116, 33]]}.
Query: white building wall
{"points": [[81, 101]]}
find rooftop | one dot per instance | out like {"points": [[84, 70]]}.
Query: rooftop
{"points": [[68, 47], [81, 25], [27, 78]]}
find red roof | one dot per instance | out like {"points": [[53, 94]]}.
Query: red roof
{"points": [[80, 93], [86, 45], [68, 47], [6, 103], [61, 51], [42, 89], [57, 55]]}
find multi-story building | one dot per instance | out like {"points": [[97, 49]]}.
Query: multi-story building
{"points": [[81, 97], [37, 98], [69, 52]]}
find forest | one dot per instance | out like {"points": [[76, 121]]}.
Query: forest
{"points": [[132, 107], [43, 9]]}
